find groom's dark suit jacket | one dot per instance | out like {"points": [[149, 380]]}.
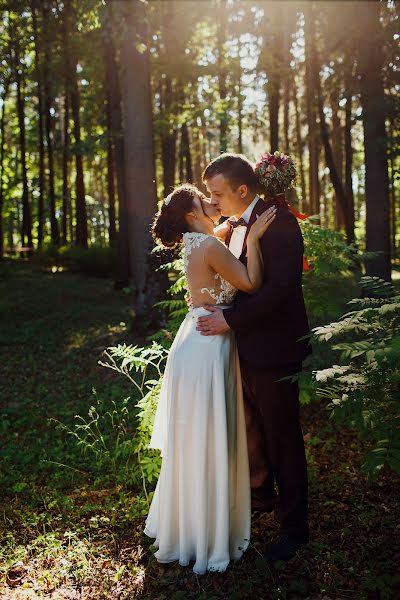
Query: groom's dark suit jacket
{"points": [[269, 323]]}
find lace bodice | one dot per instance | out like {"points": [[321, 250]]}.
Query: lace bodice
{"points": [[200, 277]]}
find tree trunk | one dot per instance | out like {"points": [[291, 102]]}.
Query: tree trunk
{"points": [[123, 269], [375, 141], [186, 153], [168, 138], [240, 100], [138, 144], [311, 110], [337, 150], [112, 233], [223, 110], [39, 79], [392, 158], [330, 162], [203, 131], [170, 89], [274, 49], [300, 151], [55, 236], [240, 120], [26, 229], [287, 75], [181, 159], [348, 154], [286, 102], [2, 136], [109, 52], [66, 198], [71, 62], [197, 162]]}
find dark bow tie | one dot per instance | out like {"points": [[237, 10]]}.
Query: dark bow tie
{"points": [[237, 223]]}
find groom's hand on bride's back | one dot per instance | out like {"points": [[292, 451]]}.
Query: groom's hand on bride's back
{"points": [[214, 323]]}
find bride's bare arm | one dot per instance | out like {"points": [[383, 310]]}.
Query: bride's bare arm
{"points": [[219, 257]]}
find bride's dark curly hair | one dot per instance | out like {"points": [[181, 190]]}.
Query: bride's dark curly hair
{"points": [[170, 223]]}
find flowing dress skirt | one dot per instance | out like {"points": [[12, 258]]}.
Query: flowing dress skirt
{"points": [[201, 506]]}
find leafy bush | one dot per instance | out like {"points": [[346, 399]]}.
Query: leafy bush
{"points": [[97, 261], [333, 266], [364, 390]]}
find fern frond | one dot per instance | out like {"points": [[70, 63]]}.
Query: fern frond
{"points": [[325, 374], [374, 287]]}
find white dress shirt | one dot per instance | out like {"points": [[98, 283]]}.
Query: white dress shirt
{"points": [[239, 233]]}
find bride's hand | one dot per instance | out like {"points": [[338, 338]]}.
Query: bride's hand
{"points": [[262, 223]]}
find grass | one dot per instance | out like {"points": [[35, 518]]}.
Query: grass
{"points": [[70, 529]]}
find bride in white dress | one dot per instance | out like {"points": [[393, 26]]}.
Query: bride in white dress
{"points": [[201, 506]]}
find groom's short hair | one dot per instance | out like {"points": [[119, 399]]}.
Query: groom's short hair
{"points": [[236, 169]]}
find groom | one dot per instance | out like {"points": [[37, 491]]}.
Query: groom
{"points": [[268, 326]]}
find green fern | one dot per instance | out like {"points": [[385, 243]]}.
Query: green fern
{"points": [[365, 391], [374, 287]]}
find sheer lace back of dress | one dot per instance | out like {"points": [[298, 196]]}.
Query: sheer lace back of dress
{"points": [[204, 284]]}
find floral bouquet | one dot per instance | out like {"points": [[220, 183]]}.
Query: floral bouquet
{"points": [[276, 173]]}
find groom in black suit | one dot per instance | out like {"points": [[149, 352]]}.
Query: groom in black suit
{"points": [[268, 327]]}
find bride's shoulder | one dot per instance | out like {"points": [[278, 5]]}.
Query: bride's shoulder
{"points": [[194, 235], [210, 243], [213, 244], [196, 238]]}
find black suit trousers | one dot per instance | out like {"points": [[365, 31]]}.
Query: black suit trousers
{"points": [[276, 445]]}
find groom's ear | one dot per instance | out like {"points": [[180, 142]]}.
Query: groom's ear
{"points": [[243, 189]]}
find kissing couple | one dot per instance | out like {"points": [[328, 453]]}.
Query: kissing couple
{"points": [[227, 420]]}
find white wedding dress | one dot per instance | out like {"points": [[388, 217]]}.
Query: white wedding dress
{"points": [[201, 506]]}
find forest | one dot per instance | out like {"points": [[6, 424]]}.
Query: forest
{"points": [[105, 107]]}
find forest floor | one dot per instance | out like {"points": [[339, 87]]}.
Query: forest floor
{"points": [[67, 536]]}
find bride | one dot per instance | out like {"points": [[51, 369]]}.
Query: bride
{"points": [[201, 505]]}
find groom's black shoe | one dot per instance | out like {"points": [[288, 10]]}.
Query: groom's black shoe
{"points": [[285, 547]]}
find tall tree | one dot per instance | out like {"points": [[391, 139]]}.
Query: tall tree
{"points": [[66, 197], [26, 229], [222, 75], [370, 64], [47, 27], [138, 142], [112, 231], [337, 146], [311, 110], [240, 98], [40, 93], [115, 132], [271, 59], [6, 85], [185, 157], [348, 148], [300, 149], [109, 59], [71, 64], [336, 180], [169, 91]]}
